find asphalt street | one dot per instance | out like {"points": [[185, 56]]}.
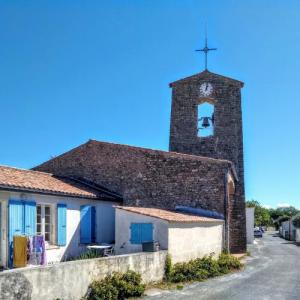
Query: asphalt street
{"points": [[272, 272]]}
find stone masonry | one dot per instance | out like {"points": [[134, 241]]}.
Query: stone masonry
{"points": [[145, 177], [225, 143], [194, 174]]}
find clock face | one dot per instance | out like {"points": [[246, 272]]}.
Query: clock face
{"points": [[206, 89]]}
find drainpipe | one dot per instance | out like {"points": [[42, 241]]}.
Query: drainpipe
{"points": [[226, 214]]}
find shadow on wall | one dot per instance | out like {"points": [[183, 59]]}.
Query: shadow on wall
{"points": [[15, 286], [74, 248]]}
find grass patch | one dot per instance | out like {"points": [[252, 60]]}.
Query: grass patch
{"points": [[86, 255]]}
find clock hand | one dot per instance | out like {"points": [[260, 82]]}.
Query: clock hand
{"points": [[206, 87]]}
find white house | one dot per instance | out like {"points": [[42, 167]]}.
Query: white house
{"points": [[69, 213], [185, 236], [288, 230], [250, 224]]}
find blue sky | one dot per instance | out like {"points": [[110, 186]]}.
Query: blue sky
{"points": [[75, 70]]}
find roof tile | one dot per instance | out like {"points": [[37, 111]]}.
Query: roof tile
{"points": [[13, 178], [168, 215]]}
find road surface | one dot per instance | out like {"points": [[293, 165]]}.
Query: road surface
{"points": [[272, 272]]}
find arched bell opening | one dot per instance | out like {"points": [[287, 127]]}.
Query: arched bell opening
{"points": [[206, 119]]}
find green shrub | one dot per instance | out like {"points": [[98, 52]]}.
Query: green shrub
{"points": [[208, 264], [168, 267], [202, 268], [117, 286], [228, 263], [86, 255], [104, 289]]}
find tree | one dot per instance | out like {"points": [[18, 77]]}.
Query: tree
{"points": [[296, 221], [261, 214], [283, 212]]}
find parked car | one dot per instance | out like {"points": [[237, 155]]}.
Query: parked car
{"points": [[258, 233]]}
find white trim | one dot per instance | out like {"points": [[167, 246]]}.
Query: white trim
{"points": [[52, 221]]}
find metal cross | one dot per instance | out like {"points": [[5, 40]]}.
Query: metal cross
{"points": [[206, 50]]}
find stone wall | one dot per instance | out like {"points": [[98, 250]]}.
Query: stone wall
{"points": [[70, 280], [227, 141], [145, 177]]}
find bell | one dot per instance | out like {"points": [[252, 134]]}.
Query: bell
{"points": [[205, 122]]}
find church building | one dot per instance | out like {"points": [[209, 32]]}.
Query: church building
{"points": [[203, 168]]}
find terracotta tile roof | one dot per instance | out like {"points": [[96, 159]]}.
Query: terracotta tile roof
{"points": [[168, 215], [34, 181]]}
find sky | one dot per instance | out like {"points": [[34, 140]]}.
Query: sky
{"points": [[71, 71]]}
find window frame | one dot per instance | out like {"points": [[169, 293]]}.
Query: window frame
{"points": [[52, 235]]}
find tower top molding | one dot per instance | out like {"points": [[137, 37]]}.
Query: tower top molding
{"points": [[207, 75]]}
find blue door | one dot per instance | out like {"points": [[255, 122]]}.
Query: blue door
{"points": [[15, 223], [21, 220], [29, 218]]}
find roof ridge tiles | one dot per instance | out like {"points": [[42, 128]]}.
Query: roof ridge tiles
{"points": [[165, 152], [26, 170]]}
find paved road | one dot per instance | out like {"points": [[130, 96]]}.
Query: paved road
{"points": [[272, 272]]}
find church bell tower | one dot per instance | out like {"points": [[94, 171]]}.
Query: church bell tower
{"points": [[206, 120]]}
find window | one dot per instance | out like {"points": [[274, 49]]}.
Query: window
{"points": [[205, 119], [141, 233], [44, 221]]}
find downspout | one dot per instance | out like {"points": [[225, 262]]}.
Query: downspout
{"points": [[226, 214]]}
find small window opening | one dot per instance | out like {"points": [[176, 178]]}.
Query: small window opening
{"points": [[205, 119]]}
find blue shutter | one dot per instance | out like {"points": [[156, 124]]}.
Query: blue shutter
{"points": [[15, 223], [135, 229], [30, 218], [61, 224], [93, 224], [15, 218], [85, 224], [147, 232]]}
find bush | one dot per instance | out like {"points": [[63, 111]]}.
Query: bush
{"points": [[202, 268], [103, 289], [168, 267], [208, 264], [117, 286], [228, 263], [86, 255]]}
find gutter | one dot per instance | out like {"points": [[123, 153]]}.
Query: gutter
{"points": [[49, 193]]}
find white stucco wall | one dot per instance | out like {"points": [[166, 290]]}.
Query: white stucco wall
{"points": [[105, 223], [122, 231], [183, 241], [285, 229], [192, 240], [250, 224], [298, 235], [287, 226]]}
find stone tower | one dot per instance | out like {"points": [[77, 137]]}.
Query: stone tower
{"points": [[190, 121]]}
